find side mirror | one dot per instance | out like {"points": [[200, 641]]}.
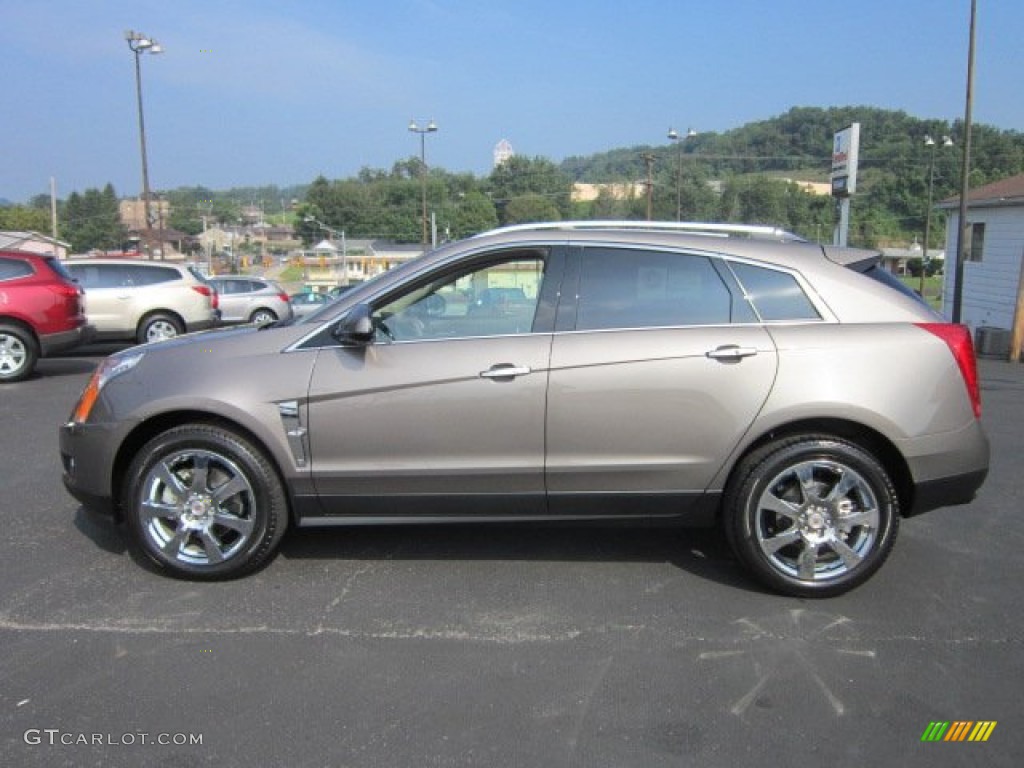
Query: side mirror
{"points": [[356, 327]]}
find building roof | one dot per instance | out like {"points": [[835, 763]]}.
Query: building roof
{"points": [[1008, 191], [13, 239]]}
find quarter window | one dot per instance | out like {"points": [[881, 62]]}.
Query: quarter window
{"points": [[776, 295], [622, 288]]}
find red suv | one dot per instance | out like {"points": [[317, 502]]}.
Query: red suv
{"points": [[41, 312]]}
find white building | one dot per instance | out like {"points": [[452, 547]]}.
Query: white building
{"points": [[993, 253], [502, 152]]}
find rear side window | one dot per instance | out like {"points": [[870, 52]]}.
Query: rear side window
{"points": [[58, 267], [14, 268], [625, 288], [139, 275], [776, 295], [92, 276]]}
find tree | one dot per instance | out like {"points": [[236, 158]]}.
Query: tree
{"points": [[473, 214], [25, 219], [529, 208], [92, 220], [530, 177]]}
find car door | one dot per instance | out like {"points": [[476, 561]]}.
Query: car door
{"points": [[106, 295], [661, 369], [443, 413]]}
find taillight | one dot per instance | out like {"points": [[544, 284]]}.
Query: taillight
{"points": [[958, 339], [208, 291], [283, 296]]}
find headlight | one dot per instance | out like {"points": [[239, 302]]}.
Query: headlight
{"points": [[111, 368]]}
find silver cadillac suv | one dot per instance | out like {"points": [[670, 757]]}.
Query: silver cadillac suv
{"points": [[791, 392]]}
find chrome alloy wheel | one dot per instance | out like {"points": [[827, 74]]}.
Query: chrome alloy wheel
{"points": [[816, 520], [197, 508]]}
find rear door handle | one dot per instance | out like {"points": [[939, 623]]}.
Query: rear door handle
{"points": [[505, 371], [731, 352]]}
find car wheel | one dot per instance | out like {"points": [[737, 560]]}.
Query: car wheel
{"points": [[262, 317], [157, 327], [204, 503], [811, 515], [18, 353]]}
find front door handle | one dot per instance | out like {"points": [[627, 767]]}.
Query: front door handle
{"points": [[731, 352], [505, 371]]}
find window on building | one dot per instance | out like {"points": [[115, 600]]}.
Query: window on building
{"points": [[975, 241]]}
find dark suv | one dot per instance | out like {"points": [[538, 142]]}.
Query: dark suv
{"points": [[630, 371], [41, 312]]}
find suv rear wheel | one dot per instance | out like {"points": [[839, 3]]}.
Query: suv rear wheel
{"points": [[811, 515], [204, 503], [157, 327], [18, 353], [263, 316]]}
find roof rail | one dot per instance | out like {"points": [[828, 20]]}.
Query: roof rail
{"points": [[690, 227]]}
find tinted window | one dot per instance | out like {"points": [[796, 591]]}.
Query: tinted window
{"points": [[92, 276], [56, 265], [139, 275], [638, 289], [775, 295], [885, 277], [12, 268]]}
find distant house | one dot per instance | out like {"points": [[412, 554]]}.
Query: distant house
{"points": [[993, 253], [33, 242]]}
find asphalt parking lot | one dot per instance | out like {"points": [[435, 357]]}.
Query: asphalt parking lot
{"points": [[498, 646]]}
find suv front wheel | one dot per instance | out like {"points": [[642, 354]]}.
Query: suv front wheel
{"points": [[204, 503], [811, 515]]}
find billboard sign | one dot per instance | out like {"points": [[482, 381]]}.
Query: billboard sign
{"points": [[845, 149]]}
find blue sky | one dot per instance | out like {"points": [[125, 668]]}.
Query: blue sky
{"points": [[256, 92]]}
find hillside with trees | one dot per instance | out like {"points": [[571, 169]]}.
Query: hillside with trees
{"points": [[747, 174]]}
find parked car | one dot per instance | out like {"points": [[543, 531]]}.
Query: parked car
{"points": [[307, 302], [144, 301], [251, 300], [794, 393], [41, 312]]}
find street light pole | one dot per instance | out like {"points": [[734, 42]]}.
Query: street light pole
{"points": [[930, 142], [430, 127], [139, 43], [674, 136]]}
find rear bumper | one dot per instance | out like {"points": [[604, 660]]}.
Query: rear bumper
{"points": [[52, 343], [946, 492]]}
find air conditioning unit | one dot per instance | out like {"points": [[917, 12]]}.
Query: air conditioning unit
{"points": [[992, 342]]}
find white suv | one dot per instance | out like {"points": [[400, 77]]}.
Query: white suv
{"points": [[144, 300]]}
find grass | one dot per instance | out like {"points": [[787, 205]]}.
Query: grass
{"points": [[932, 288]]}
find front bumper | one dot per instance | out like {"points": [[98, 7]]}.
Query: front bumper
{"points": [[87, 460]]}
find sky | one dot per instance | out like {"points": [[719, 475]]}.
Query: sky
{"points": [[250, 93]]}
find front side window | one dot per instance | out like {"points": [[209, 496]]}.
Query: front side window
{"points": [[496, 298], [624, 288]]}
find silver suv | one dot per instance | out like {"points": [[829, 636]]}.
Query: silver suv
{"points": [[251, 300], [144, 300], [794, 393]]}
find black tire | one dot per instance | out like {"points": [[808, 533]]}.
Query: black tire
{"points": [[18, 353], [263, 316], [158, 326], [204, 503], [811, 515]]}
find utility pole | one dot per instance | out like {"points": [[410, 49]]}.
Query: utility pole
{"points": [[649, 161], [965, 171]]}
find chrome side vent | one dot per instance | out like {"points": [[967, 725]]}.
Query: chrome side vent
{"points": [[294, 430]]}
